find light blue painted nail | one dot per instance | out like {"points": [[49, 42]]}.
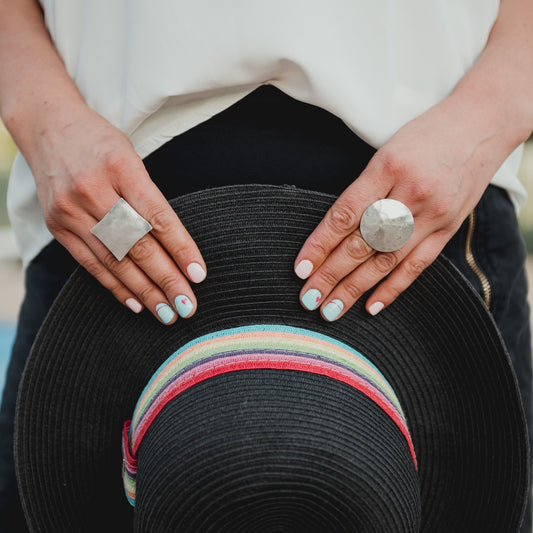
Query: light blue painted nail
{"points": [[183, 305], [165, 313], [332, 310], [311, 299]]}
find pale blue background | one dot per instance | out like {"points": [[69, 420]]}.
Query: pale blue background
{"points": [[7, 335]]}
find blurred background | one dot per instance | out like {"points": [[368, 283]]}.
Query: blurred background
{"points": [[11, 282], [11, 285]]}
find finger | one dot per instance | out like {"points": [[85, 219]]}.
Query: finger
{"points": [[86, 258], [365, 276], [158, 267], [149, 256], [352, 252], [359, 281], [138, 281], [407, 272], [145, 290], [341, 220], [399, 275], [168, 229]]}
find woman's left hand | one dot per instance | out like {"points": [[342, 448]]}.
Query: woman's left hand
{"points": [[438, 165]]}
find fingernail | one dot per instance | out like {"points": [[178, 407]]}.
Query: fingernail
{"points": [[196, 272], [311, 299], [134, 305], [332, 310], [165, 313], [303, 269], [183, 305], [375, 308]]}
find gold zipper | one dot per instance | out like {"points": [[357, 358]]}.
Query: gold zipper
{"points": [[485, 285]]}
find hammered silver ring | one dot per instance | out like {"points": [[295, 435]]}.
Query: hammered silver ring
{"points": [[121, 228], [387, 225]]}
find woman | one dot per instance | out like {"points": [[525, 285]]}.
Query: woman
{"points": [[88, 91]]}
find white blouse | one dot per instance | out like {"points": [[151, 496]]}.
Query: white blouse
{"points": [[155, 68]]}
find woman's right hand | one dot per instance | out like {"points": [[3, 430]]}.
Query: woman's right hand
{"points": [[82, 166]]}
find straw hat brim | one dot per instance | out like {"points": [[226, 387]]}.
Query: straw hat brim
{"points": [[437, 345]]}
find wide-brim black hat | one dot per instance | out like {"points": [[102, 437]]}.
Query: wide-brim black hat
{"points": [[278, 447]]}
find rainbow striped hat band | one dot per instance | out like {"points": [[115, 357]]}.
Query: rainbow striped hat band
{"points": [[254, 347]]}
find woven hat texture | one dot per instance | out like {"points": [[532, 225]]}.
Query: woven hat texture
{"points": [[272, 449]]}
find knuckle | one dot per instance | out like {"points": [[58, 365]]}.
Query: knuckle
{"points": [[113, 264], [62, 205], [419, 192], [142, 250], [353, 291], [317, 247], [393, 164], [393, 291], [94, 267], [161, 220], [116, 288], [415, 267], [147, 294], [117, 162], [52, 224], [357, 248], [167, 283], [342, 218], [440, 209], [385, 262], [326, 277], [83, 187], [179, 251]]}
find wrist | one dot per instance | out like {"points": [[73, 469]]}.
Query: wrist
{"points": [[489, 124], [492, 112], [467, 134], [31, 121], [499, 85]]}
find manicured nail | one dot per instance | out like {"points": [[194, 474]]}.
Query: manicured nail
{"points": [[332, 310], [183, 305], [375, 308], [196, 272], [303, 269], [165, 313], [311, 299], [134, 305]]}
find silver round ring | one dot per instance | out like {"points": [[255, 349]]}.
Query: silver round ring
{"points": [[386, 225], [121, 228]]}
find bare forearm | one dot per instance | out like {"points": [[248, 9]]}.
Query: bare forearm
{"points": [[34, 84], [497, 92]]}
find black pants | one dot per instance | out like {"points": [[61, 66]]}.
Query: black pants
{"points": [[270, 138]]}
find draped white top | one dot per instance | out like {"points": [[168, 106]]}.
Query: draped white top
{"points": [[155, 68]]}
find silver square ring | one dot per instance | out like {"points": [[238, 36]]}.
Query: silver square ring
{"points": [[121, 228]]}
